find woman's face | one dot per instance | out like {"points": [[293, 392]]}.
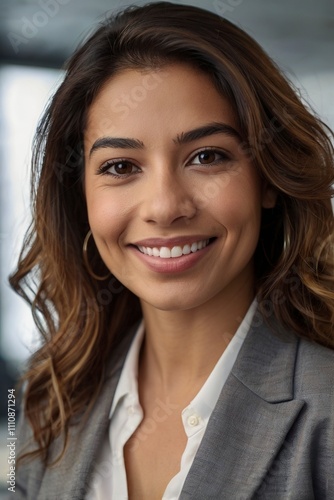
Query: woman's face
{"points": [[174, 203]]}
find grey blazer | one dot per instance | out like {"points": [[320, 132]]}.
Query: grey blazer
{"points": [[270, 436]]}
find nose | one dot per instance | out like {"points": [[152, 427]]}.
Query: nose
{"points": [[168, 198]]}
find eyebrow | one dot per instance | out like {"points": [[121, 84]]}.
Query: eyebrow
{"points": [[206, 131], [116, 142], [183, 138]]}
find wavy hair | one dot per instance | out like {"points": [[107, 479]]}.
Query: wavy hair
{"points": [[82, 319]]}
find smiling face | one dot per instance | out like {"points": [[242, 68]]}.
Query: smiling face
{"points": [[174, 203]]}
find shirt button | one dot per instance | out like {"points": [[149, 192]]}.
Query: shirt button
{"points": [[193, 420], [131, 410]]}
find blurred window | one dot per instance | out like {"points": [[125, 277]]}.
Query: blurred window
{"points": [[24, 92]]}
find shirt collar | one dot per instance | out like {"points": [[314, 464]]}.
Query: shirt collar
{"points": [[128, 382]]}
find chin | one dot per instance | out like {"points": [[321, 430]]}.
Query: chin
{"points": [[175, 302], [163, 304]]}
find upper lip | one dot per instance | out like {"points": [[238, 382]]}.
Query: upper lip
{"points": [[171, 242]]}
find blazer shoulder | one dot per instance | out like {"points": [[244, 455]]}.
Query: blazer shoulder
{"points": [[314, 370], [312, 355]]}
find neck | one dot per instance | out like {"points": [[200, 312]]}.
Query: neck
{"points": [[182, 347]]}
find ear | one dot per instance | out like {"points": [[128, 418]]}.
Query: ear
{"points": [[269, 195]]}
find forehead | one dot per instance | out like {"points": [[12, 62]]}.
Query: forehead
{"points": [[163, 101]]}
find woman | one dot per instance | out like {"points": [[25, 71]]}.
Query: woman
{"points": [[180, 269]]}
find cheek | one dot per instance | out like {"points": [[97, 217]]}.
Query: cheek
{"points": [[106, 214], [238, 206]]}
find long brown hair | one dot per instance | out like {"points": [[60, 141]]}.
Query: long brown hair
{"points": [[80, 318]]}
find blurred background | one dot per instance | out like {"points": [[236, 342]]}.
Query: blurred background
{"points": [[37, 36]]}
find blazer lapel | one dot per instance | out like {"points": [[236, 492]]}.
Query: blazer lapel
{"points": [[251, 420]]}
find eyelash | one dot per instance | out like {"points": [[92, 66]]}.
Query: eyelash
{"points": [[104, 169]]}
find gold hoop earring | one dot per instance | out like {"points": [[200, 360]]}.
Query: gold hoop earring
{"points": [[86, 261]]}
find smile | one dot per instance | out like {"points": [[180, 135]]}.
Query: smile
{"points": [[176, 251]]}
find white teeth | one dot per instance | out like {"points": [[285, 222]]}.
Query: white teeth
{"points": [[177, 251], [165, 253], [194, 247]]}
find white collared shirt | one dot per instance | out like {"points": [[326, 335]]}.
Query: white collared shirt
{"points": [[109, 478]]}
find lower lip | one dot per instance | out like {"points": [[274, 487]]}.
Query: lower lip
{"points": [[174, 264]]}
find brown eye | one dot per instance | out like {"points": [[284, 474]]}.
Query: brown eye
{"points": [[120, 168], [207, 157], [123, 168]]}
